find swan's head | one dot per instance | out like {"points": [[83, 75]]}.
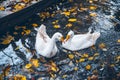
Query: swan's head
{"points": [[58, 37], [96, 35], [69, 35]]}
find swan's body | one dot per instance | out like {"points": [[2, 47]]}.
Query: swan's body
{"points": [[80, 41], [45, 45]]}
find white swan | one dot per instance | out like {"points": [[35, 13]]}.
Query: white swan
{"points": [[45, 45], [80, 41]]}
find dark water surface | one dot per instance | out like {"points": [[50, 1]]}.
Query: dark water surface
{"points": [[105, 64]]}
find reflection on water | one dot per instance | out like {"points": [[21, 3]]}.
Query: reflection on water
{"points": [[101, 15]]}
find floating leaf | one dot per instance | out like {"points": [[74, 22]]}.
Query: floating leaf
{"points": [[35, 25], [72, 20], [28, 66], [90, 58], [66, 13], [90, 1], [85, 55], [83, 9], [88, 67], [26, 32], [17, 47], [93, 14], [71, 56], [52, 75], [35, 62], [26, 1], [56, 26], [93, 7], [7, 70], [20, 27], [64, 76], [118, 40], [15, 33], [7, 40], [102, 45], [53, 66], [55, 22], [2, 8], [81, 59], [76, 68], [19, 77], [96, 54], [69, 25]]}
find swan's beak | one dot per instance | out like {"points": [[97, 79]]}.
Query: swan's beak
{"points": [[67, 37], [62, 39]]}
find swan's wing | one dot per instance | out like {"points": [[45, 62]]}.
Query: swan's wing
{"points": [[43, 34]]}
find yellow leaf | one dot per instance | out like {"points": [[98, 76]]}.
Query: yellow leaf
{"points": [[35, 25], [112, 65], [64, 76], [2, 8], [76, 68], [72, 20], [71, 56], [69, 25], [96, 54], [19, 77], [7, 39], [17, 48], [93, 7], [56, 26], [118, 40], [35, 62], [54, 22], [88, 67], [53, 66], [66, 13], [118, 57], [85, 55], [15, 33], [28, 66], [83, 9], [26, 32], [81, 60], [90, 58], [93, 14], [52, 75], [102, 45], [90, 1]]}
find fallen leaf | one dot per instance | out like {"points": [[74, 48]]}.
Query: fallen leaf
{"points": [[35, 62], [102, 45], [26, 32], [71, 56], [69, 25], [66, 13], [17, 47], [93, 14], [55, 22], [64, 76], [92, 7], [56, 26], [27, 66], [81, 59], [96, 54], [85, 55], [90, 58], [7, 39], [19, 77], [76, 68], [118, 40], [2, 8], [88, 67], [72, 20], [35, 25]]}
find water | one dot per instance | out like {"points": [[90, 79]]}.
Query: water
{"points": [[20, 50]]}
